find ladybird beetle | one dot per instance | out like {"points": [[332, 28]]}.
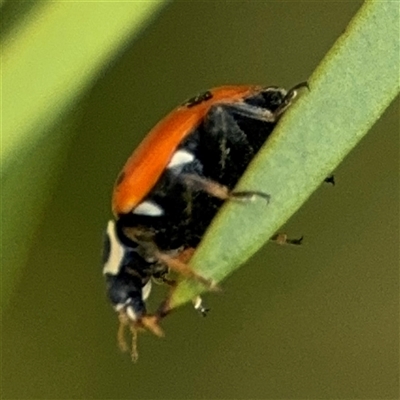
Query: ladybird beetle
{"points": [[173, 185]]}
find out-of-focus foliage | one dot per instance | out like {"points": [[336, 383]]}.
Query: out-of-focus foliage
{"points": [[52, 52]]}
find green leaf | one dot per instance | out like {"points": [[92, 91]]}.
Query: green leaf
{"points": [[52, 52], [349, 91], [51, 57]]}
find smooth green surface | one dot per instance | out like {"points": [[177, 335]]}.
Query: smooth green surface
{"points": [[51, 53], [320, 321], [52, 57], [349, 91]]}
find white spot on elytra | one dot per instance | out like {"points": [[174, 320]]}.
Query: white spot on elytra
{"points": [[148, 208], [117, 251], [180, 158]]}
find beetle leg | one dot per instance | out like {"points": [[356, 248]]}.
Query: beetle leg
{"points": [[199, 306], [125, 323], [281, 238], [221, 191], [165, 308], [149, 322], [176, 265], [263, 114], [252, 112], [223, 138]]}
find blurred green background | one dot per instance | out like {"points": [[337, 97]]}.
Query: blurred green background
{"points": [[319, 321]]}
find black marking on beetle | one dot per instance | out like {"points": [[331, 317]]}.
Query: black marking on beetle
{"points": [[198, 99]]}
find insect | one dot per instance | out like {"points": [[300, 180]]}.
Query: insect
{"points": [[173, 185]]}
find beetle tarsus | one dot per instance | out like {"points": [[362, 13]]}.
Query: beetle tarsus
{"points": [[290, 96], [199, 306], [282, 239], [330, 179], [220, 191], [249, 195], [134, 350], [121, 339]]}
